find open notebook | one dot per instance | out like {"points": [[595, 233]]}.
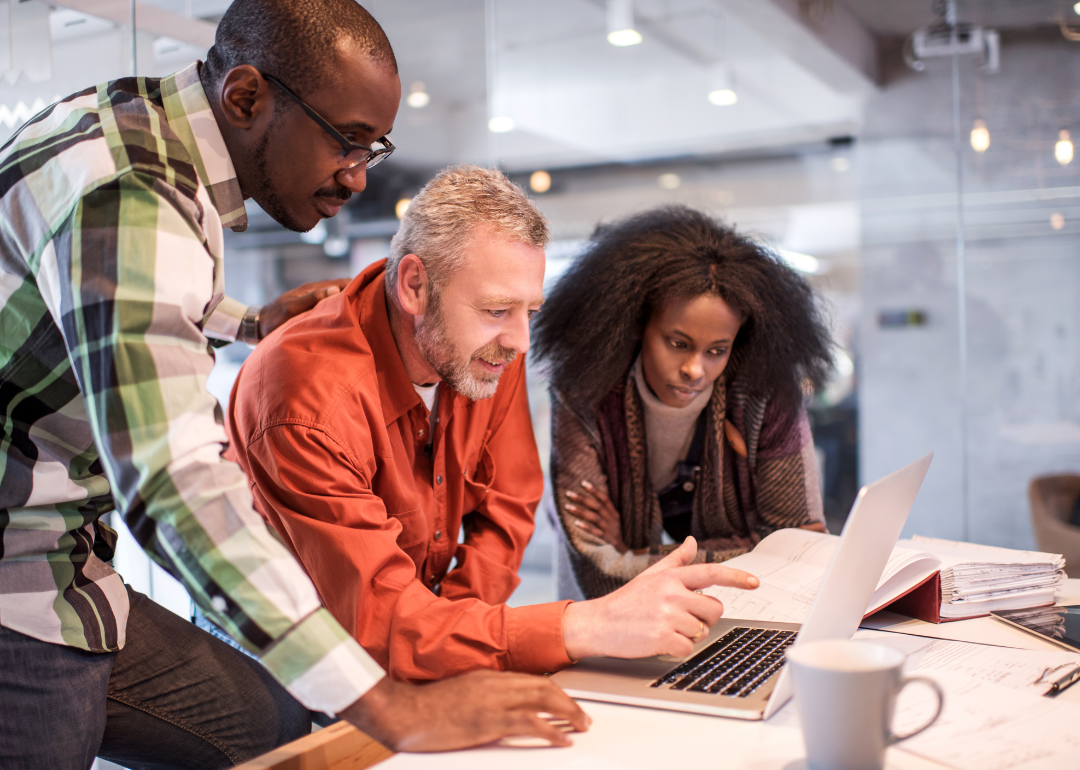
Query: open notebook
{"points": [[933, 580]]}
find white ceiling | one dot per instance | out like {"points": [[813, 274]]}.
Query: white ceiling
{"points": [[574, 98]]}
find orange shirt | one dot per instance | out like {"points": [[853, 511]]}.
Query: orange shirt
{"points": [[326, 424]]}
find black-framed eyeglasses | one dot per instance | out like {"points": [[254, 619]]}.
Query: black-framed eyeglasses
{"points": [[352, 155]]}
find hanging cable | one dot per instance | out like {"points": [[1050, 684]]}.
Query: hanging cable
{"points": [[961, 273], [134, 44]]}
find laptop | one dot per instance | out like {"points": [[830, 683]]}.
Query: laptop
{"points": [[737, 670]]}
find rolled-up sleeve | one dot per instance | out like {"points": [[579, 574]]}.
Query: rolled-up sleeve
{"points": [[223, 325]]}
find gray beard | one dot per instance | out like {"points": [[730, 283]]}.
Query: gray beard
{"points": [[433, 339]]}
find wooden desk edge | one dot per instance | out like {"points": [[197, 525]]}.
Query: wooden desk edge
{"points": [[337, 747]]}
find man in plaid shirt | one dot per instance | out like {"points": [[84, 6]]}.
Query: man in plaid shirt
{"points": [[111, 299]]}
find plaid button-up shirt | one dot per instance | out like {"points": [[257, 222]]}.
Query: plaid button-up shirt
{"points": [[112, 203]]}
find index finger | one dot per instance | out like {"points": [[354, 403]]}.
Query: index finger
{"points": [[559, 705], [325, 291], [533, 694], [595, 491], [697, 576]]}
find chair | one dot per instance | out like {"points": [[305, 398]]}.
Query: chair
{"points": [[1052, 499]]}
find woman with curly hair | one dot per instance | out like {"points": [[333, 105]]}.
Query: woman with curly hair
{"points": [[679, 353]]}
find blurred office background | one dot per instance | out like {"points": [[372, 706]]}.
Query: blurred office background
{"points": [[845, 133]]}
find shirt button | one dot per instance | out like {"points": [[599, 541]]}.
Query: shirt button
{"points": [[421, 433], [438, 534], [438, 479]]}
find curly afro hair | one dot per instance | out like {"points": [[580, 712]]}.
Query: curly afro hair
{"points": [[589, 331]]}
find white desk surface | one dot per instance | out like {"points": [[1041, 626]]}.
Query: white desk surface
{"points": [[630, 738]]}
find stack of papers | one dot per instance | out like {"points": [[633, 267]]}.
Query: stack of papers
{"points": [[976, 579], [933, 580]]}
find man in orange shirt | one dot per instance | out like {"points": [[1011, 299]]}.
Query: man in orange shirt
{"points": [[395, 415]]}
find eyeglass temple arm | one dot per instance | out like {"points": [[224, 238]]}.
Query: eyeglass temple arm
{"points": [[346, 146]]}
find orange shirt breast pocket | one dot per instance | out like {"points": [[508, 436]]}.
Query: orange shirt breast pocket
{"points": [[479, 477], [413, 537]]}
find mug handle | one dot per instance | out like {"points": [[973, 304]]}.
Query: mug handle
{"points": [[904, 682]]}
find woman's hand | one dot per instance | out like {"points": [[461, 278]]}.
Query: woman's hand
{"points": [[593, 512]]}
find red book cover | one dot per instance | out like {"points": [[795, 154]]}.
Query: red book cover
{"points": [[922, 602]]}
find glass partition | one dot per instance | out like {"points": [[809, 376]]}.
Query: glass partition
{"points": [[806, 128]]}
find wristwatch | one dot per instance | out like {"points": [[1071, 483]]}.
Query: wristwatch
{"points": [[249, 325]]}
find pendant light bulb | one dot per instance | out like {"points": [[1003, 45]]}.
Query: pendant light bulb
{"points": [[1063, 150], [418, 97], [722, 91], [620, 23], [723, 97], [980, 136], [540, 181]]}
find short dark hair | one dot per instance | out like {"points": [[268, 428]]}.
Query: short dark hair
{"points": [[291, 39], [589, 330]]}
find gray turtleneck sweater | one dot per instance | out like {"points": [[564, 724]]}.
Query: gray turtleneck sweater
{"points": [[669, 430]]}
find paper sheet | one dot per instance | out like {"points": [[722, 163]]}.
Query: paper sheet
{"points": [[956, 552], [785, 594], [1015, 669], [995, 715], [791, 564], [987, 726]]}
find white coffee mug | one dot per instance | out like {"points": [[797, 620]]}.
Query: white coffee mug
{"points": [[845, 692]]}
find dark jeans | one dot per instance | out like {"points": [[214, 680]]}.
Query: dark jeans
{"points": [[174, 697]]}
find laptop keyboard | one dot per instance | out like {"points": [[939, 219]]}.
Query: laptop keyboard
{"points": [[736, 665]]}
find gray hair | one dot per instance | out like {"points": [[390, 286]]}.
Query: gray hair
{"points": [[442, 217]]}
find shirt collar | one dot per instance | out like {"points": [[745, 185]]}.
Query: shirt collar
{"points": [[396, 389], [190, 116]]}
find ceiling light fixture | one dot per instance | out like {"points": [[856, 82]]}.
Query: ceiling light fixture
{"points": [[620, 23], [13, 117], [540, 181], [669, 181], [624, 37], [315, 235], [1057, 220], [840, 164], [804, 263], [722, 91], [336, 246], [1076, 9], [500, 124], [1063, 150], [980, 136], [418, 98], [402, 206], [723, 97]]}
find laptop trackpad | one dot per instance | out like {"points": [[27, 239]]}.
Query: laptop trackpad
{"points": [[639, 668]]}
